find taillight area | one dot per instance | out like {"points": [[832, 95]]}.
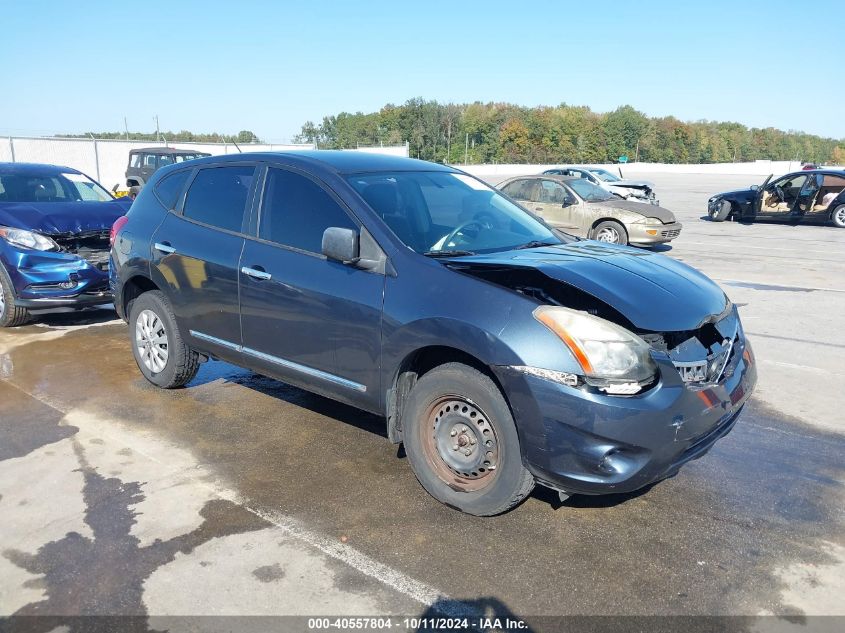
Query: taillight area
{"points": [[115, 228]]}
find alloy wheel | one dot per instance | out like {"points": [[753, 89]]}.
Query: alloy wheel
{"points": [[840, 216], [151, 341], [608, 234]]}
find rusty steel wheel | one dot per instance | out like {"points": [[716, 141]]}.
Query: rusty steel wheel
{"points": [[460, 443]]}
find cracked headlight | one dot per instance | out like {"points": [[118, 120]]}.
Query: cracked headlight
{"points": [[28, 239], [607, 353]]}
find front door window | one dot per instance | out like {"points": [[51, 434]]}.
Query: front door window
{"points": [[781, 196]]}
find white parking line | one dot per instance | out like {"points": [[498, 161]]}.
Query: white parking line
{"points": [[763, 248], [818, 370], [762, 285], [357, 560]]}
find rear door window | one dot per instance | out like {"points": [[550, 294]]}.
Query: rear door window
{"points": [[519, 190], [218, 196]]}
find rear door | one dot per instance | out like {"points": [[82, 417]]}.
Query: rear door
{"points": [[807, 195], [831, 189], [197, 251], [306, 319]]}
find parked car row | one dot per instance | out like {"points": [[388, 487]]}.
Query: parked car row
{"points": [[502, 350]]}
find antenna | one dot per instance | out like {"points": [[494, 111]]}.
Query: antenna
{"points": [[237, 148]]}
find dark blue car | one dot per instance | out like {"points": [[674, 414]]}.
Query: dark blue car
{"points": [[54, 240], [501, 352]]}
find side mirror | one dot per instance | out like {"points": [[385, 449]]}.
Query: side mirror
{"points": [[341, 245], [754, 187]]}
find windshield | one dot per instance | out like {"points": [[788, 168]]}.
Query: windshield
{"points": [[604, 175], [588, 191], [441, 212], [66, 187]]}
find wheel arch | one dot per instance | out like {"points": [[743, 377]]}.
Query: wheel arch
{"points": [[607, 218], [133, 288], [417, 363]]}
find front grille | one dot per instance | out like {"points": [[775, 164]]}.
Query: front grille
{"points": [[92, 246], [710, 370], [671, 233]]}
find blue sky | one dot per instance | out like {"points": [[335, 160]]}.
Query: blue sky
{"points": [[269, 66]]}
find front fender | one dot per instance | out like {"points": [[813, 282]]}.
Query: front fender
{"points": [[447, 308]]}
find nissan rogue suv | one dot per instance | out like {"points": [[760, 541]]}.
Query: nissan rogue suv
{"points": [[500, 351]]}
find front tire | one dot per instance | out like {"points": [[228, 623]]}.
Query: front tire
{"points": [[610, 232], [157, 344], [462, 443], [11, 315], [723, 212], [838, 216]]}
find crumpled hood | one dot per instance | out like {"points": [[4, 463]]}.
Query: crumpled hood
{"points": [[652, 291], [55, 218], [646, 210]]}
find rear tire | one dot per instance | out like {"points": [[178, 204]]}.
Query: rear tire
{"points": [[157, 344], [723, 213], [457, 406], [610, 232], [838, 216], [11, 315]]}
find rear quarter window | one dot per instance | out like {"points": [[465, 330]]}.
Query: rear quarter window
{"points": [[170, 188]]}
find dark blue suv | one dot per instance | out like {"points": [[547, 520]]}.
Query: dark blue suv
{"points": [[501, 352]]}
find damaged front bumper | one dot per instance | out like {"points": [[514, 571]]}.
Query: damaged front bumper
{"points": [[646, 196], [580, 441], [46, 280], [650, 234]]}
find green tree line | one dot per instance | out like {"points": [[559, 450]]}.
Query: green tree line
{"points": [[244, 136], [508, 133]]}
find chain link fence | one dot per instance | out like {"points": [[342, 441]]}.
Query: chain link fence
{"points": [[105, 160]]}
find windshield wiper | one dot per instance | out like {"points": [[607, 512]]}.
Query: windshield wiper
{"points": [[534, 244], [452, 253]]}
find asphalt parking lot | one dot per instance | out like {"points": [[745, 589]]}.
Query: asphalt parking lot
{"points": [[241, 495]]}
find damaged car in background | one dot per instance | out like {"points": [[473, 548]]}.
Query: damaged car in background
{"points": [[54, 240], [808, 196], [577, 206], [634, 190], [500, 351]]}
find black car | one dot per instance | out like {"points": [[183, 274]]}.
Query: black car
{"points": [[502, 352], [816, 195]]}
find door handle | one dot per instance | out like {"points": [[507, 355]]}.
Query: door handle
{"points": [[164, 247], [255, 273]]}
